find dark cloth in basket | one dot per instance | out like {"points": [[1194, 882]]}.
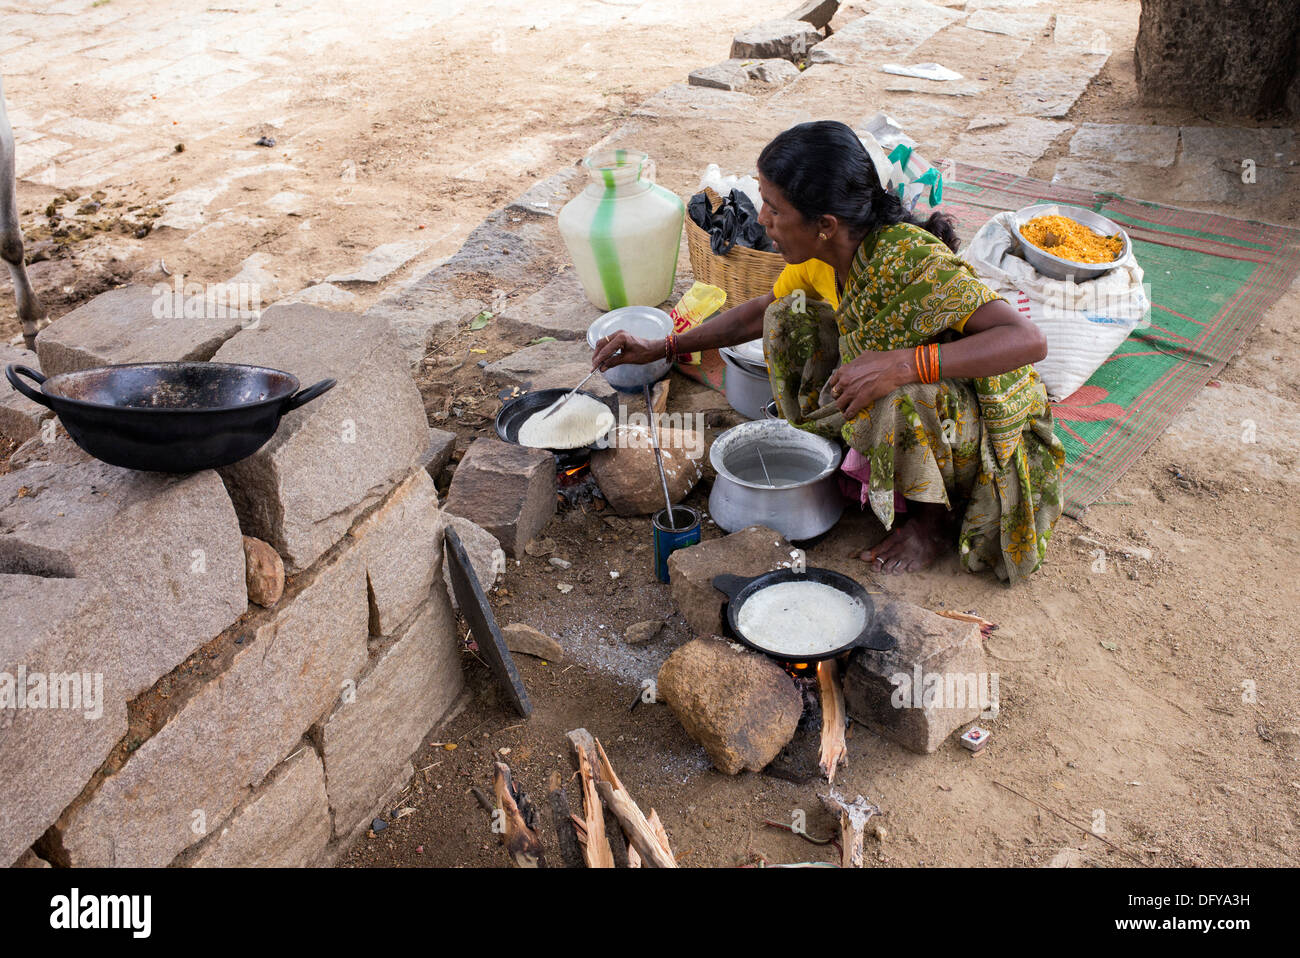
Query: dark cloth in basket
{"points": [[733, 223]]}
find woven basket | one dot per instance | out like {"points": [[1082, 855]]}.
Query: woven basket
{"points": [[743, 273]]}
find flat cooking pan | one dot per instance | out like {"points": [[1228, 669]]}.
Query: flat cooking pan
{"points": [[739, 589], [169, 417], [516, 412]]}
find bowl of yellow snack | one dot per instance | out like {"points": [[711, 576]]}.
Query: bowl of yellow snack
{"points": [[1070, 241]]}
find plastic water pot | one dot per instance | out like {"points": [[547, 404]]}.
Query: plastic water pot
{"points": [[623, 232]]}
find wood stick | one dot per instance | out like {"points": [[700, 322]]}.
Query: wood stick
{"points": [[640, 835], [853, 825], [562, 818], [660, 833], [834, 751], [1086, 831], [596, 849], [521, 842], [652, 849]]}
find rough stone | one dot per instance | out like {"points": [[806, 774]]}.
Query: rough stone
{"points": [[817, 12], [784, 39], [323, 294], [285, 823], [1012, 148], [1126, 143], [166, 549], [20, 418], [547, 197], [1052, 93], [1072, 31], [930, 645], [1012, 24], [52, 625], [629, 478], [525, 640], [740, 706], [368, 738], [59, 450], [401, 543], [380, 263], [338, 455], [418, 317], [486, 557], [639, 633], [442, 444], [1268, 147], [506, 250], [234, 730], [727, 75], [559, 309], [750, 551], [263, 572], [1239, 59], [559, 365], [686, 100], [507, 489], [889, 32], [774, 72], [30, 859], [122, 326]]}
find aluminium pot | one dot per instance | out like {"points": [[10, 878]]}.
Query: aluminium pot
{"points": [[747, 388], [801, 501]]}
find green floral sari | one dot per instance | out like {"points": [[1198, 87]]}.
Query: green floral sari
{"points": [[986, 443]]}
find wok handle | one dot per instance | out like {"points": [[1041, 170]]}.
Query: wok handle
{"points": [[14, 370], [304, 396], [730, 585]]}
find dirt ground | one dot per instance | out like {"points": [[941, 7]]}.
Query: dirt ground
{"points": [[1125, 686]]}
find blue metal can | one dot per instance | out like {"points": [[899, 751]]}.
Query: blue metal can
{"points": [[668, 540]]}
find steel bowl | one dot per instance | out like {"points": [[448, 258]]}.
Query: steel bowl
{"points": [[646, 322], [747, 389], [803, 509], [1055, 266]]}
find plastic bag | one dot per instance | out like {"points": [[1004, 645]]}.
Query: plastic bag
{"points": [[734, 223], [1084, 322], [700, 302], [901, 169], [723, 185]]}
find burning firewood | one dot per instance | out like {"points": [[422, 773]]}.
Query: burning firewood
{"points": [[591, 827], [853, 823], [834, 749], [651, 845], [520, 820]]}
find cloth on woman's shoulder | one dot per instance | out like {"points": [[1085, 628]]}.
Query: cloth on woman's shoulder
{"points": [[813, 276]]}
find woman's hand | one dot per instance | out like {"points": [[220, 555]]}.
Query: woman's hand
{"points": [[635, 350], [856, 385]]}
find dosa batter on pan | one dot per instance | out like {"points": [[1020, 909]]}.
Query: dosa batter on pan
{"points": [[579, 422], [801, 618]]}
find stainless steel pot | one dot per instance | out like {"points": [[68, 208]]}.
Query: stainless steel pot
{"points": [[644, 321], [803, 498], [747, 389]]}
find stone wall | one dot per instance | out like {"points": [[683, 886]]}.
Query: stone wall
{"points": [[193, 727]]}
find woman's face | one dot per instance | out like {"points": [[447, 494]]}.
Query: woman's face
{"points": [[794, 236]]}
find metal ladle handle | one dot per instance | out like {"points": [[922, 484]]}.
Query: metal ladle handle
{"points": [[659, 461]]}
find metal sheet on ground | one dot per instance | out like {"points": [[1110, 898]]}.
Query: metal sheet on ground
{"points": [[483, 624]]}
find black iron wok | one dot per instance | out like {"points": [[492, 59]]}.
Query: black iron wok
{"points": [[169, 417], [739, 589]]}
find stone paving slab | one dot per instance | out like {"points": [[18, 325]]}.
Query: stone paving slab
{"points": [[380, 263], [1013, 148], [890, 31], [1126, 143], [20, 418], [1051, 93], [558, 365], [1007, 23]]}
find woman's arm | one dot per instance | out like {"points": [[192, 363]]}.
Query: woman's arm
{"points": [[997, 339], [737, 325]]}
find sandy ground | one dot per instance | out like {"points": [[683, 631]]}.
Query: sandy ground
{"points": [[1126, 685]]}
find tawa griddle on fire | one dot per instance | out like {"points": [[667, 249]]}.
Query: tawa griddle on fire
{"points": [[740, 589]]}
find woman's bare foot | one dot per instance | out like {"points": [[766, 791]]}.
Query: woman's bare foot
{"points": [[915, 544]]}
